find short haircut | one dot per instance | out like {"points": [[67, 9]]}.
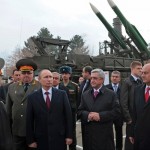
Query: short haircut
{"points": [[135, 63], [100, 72], [116, 72], [39, 74], [88, 69], [59, 75], [14, 71]]}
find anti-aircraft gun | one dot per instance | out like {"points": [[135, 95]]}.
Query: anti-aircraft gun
{"points": [[121, 48], [119, 45], [60, 55]]}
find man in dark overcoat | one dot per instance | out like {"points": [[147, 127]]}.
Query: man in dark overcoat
{"points": [[141, 112], [118, 122], [49, 118], [16, 101], [85, 85], [127, 97], [99, 106]]}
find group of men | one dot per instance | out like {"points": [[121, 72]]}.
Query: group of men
{"points": [[42, 114]]}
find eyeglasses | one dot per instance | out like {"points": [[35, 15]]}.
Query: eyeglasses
{"points": [[26, 72]]}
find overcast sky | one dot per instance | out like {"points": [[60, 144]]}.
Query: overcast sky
{"points": [[21, 19]]}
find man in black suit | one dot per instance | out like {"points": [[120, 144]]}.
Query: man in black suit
{"points": [[56, 83], [85, 85], [98, 108], [127, 98], [49, 119], [141, 112], [118, 122]]}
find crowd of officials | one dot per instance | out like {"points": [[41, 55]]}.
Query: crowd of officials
{"points": [[41, 114]]}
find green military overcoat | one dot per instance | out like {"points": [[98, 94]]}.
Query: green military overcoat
{"points": [[16, 103]]}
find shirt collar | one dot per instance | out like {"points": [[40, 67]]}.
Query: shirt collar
{"points": [[147, 87], [115, 84], [97, 89], [135, 78], [57, 87], [50, 91]]}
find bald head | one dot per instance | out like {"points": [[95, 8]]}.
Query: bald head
{"points": [[146, 74]]}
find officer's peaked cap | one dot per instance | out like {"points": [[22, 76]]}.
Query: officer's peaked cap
{"points": [[26, 65]]}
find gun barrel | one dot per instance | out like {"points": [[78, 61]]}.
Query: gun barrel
{"points": [[131, 30], [109, 28]]}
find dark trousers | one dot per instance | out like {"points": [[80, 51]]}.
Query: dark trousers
{"points": [[118, 123], [73, 145], [128, 144]]}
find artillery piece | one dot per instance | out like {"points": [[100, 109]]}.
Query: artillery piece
{"points": [[119, 56]]}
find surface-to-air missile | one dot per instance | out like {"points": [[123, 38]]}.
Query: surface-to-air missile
{"points": [[109, 28], [132, 31]]}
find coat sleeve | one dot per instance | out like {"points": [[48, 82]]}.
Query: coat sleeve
{"points": [[68, 116], [30, 122], [82, 113], [9, 104], [124, 96], [5, 132], [112, 114]]}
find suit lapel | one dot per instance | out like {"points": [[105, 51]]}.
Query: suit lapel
{"points": [[90, 100], [142, 97], [111, 87], [41, 99], [53, 97]]}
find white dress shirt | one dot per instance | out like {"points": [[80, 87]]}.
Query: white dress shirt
{"points": [[50, 94]]}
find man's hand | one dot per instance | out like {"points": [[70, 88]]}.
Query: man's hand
{"points": [[129, 122], [68, 141], [94, 116], [131, 140], [33, 145]]}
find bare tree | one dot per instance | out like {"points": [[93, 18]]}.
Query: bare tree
{"points": [[16, 55]]}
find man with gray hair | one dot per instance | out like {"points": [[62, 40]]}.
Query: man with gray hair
{"points": [[98, 108]]}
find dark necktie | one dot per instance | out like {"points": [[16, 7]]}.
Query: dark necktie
{"points": [[48, 102], [95, 93], [147, 94], [26, 86]]}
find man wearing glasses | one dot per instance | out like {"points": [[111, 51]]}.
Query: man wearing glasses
{"points": [[16, 101]]}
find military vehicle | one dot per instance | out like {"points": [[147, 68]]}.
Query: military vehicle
{"points": [[116, 54]]}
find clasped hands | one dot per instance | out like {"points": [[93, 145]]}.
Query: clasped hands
{"points": [[94, 116]]}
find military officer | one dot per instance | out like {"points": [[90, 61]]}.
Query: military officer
{"points": [[16, 101], [73, 96]]}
